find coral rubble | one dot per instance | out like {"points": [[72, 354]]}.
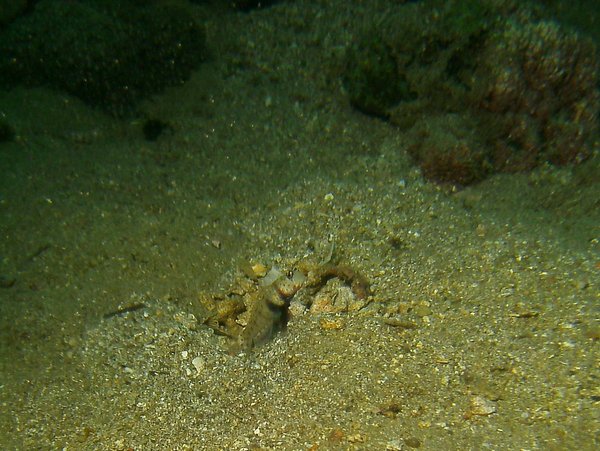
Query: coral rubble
{"points": [[256, 307]]}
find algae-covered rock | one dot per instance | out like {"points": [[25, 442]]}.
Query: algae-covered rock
{"points": [[240, 5], [538, 82], [531, 84], [372, 79], [247, 5], [10, 9], [7, 132], [110, 54], [420, 55], [448, 149]]}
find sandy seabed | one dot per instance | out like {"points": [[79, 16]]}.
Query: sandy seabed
{"points": [[481, 331]]}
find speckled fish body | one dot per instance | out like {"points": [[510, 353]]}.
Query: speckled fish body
{"points": [[265, 315]]}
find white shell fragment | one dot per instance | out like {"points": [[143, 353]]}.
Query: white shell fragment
{"points": [[483, 406], [198, 363]]}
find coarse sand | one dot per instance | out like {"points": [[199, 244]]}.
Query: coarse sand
{"points": [[481, 331]]}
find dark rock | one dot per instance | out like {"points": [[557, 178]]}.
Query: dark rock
{"points": [[154, 128], [109, 54], [7, 132]]}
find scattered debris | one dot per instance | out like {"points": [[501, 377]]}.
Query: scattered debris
{"points": [[123, 310], [259, 302]]}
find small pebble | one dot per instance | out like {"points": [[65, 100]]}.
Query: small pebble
{"points": [[331, 324], [198, 363], [259, 270], [412, 442], [482, 406]]}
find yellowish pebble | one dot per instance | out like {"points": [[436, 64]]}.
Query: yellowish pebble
{"points": [[331, 323], [259, 270]]}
